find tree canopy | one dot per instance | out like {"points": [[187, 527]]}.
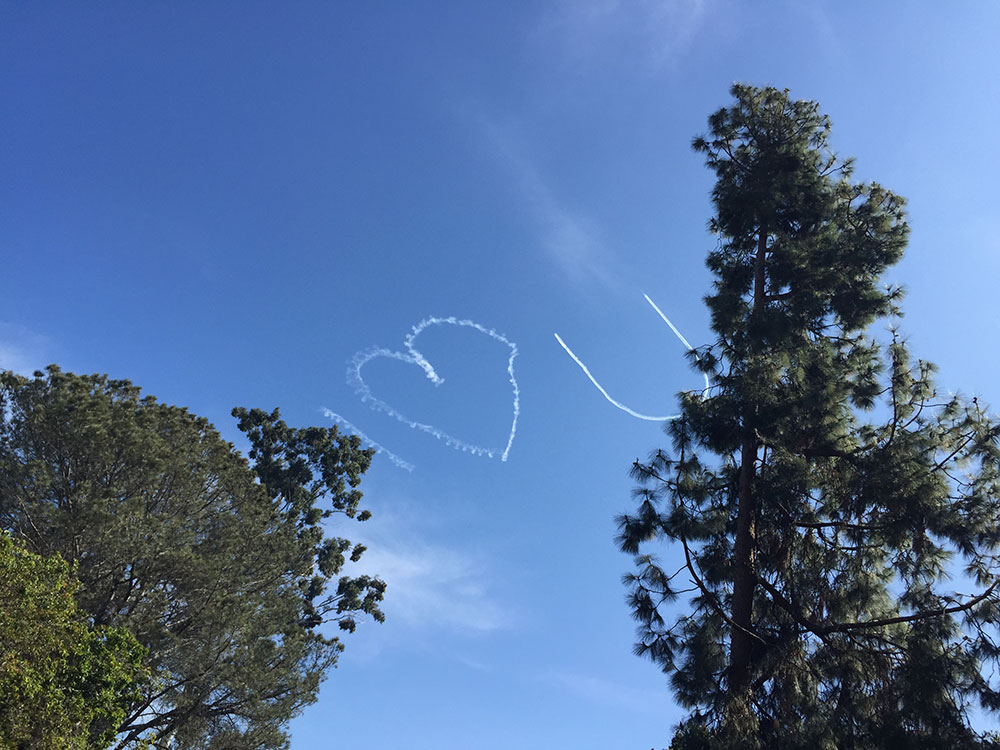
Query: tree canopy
{"points": [[219, 566], [835, 518], [63, 684]]}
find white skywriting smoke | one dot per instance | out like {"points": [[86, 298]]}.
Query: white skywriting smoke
{"points": [[679, 335], [606, 395], [666, 320], [618, 404], [413, 356], [364, 438]]}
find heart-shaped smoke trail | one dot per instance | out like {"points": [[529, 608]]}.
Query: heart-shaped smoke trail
{"points": [[618, 404], [414, 357]]}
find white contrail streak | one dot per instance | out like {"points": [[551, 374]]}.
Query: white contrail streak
{"points": [[666, 320], [593, 380], [378, 447], [679, 335], [414, 357], [618, 404]]}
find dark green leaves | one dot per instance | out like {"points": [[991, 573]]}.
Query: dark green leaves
{"points": [[220, 568]]}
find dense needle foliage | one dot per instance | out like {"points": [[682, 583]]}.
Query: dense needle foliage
{"points": [[218, 566], [834, 517]]}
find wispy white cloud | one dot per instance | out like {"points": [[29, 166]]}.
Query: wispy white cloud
{"points": [[434, 586], [659, 32], [825, 33], [609, 694], [431, 584], [572, 240], [20, 349]]}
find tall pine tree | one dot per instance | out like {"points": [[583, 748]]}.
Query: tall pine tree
{"points": [[835, 518]]}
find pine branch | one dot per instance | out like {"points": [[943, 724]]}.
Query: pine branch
{"points": [[710, 596], [820, 630]]}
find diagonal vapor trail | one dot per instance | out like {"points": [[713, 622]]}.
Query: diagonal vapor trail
{"points": [[402, 464], [679, 335]]}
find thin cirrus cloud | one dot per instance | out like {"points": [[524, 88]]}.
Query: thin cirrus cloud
{"points": [[655, 33], [660, 33], [432, 585], [20, 349], [571, 240], [607, 693]]}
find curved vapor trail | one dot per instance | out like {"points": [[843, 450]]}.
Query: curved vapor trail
{"points": [[377, 446], [618, 404], [593, 380], [413, 356]]}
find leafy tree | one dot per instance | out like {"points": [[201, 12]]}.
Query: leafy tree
{"points": [[63, 684], [836, 517], [219, 567]]}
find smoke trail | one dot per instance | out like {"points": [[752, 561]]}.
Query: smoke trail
{"points": [[413, 356], [666, 320], [593, 380], [679, 335], [618, 404], [377, 446]]}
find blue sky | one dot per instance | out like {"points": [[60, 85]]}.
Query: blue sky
{"points": [[226, 203]]}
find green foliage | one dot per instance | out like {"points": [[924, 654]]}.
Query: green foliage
{"points": [[219, 567], [836, 519], [63, 684]]}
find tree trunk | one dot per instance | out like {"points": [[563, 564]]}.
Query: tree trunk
{"points": [[744, 580]]}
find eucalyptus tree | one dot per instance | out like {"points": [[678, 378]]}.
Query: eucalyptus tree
{"points": [[834, 517], [219, 566]]}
